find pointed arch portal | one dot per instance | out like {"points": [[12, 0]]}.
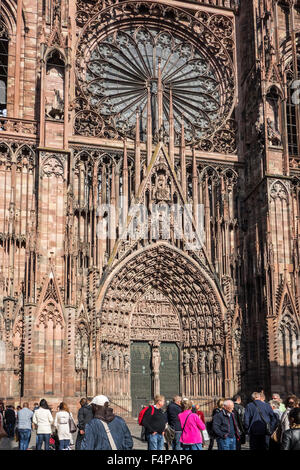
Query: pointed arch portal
{"points": [[163, 298]]}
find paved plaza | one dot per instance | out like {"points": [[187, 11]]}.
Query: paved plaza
{"points": [[135, 429]]}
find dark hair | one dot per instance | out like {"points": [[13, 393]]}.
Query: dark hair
{"points": [[44, 404], [83, 401], [292, 398], [295, 414], [236, 397]]}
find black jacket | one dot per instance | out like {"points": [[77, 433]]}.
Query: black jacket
{"points": [[221, 425], [10, 416], [291, 440], [173, 411], [156, 422], [85, 415], [239, 413]]}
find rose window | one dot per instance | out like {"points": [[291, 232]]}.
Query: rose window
{"points": [[122, 72]]}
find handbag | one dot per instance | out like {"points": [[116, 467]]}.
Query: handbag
{"points": [[72, 425], [268, 426], [205, 435], [169, 433], [110, 438], [3, 433], [277, 434]]}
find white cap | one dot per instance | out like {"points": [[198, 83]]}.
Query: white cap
{"points": [[99, 400]]}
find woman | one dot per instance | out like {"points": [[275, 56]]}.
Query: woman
{"points": [[290, 403], [218, 408], [191, 425], [200, 413], [291, 437], [62, 425], [43, 419]]}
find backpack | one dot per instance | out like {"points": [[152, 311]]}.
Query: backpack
{"points": [[142, 412]]}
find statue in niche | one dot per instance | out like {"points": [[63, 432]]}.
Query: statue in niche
{"points": [[78, 353], [110, 358], [201, 362], [209, 322], [126, 362], [162, 191], [193, 361], [217, 336], [116, 358], [218, 362], [55, 110], [104, 358], [121, 358], [85, 354], [210, 361], [186, 362], [201, 334], [209, 337], [274, 135]]}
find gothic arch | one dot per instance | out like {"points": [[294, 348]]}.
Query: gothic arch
{"points": [[195, 298]]}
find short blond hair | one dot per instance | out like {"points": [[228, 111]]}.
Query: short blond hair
{"points": [[187, 405], [158, 398]]}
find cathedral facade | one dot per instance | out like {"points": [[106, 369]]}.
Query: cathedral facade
{"points": [[115, 116]]}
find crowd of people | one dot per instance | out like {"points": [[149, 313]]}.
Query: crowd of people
{"points": [[181, 425]]}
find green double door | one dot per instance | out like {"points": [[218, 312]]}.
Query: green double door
{"points": [[141, 373]]}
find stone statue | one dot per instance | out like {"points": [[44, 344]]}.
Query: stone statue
{"points": [[209, 337], [274, 136], [210, 361], [193, 361], [218, 363], [186, 362], [126, 362], [201, 362], [116, 358], [155, 360], [110, 358], [85, 355], [104, 357]]}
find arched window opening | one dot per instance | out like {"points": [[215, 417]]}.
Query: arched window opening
{"points": [[3, 69], [291, 111]]}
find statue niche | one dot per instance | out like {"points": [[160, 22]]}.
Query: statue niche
{"points": [[54, 87]]}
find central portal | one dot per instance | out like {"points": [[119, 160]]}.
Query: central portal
{"points": [[154, 369], [155, 354]]}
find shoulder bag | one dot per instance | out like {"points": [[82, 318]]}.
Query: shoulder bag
{"points": [[268, 426], [169, 433], [110, 438], [72, 425]]}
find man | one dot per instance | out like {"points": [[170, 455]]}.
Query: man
{"points": [[173, 410], [258, 415], [35, 406], [106, 431], [239, 413], [276, 397], [24, 425], [10, 420], [225, 427], [291, 437], [155, 424], [85, 414]]}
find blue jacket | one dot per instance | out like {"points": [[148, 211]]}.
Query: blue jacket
{"points": [[95, 437], [173, 411], [221, 425], [253, 422]]}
